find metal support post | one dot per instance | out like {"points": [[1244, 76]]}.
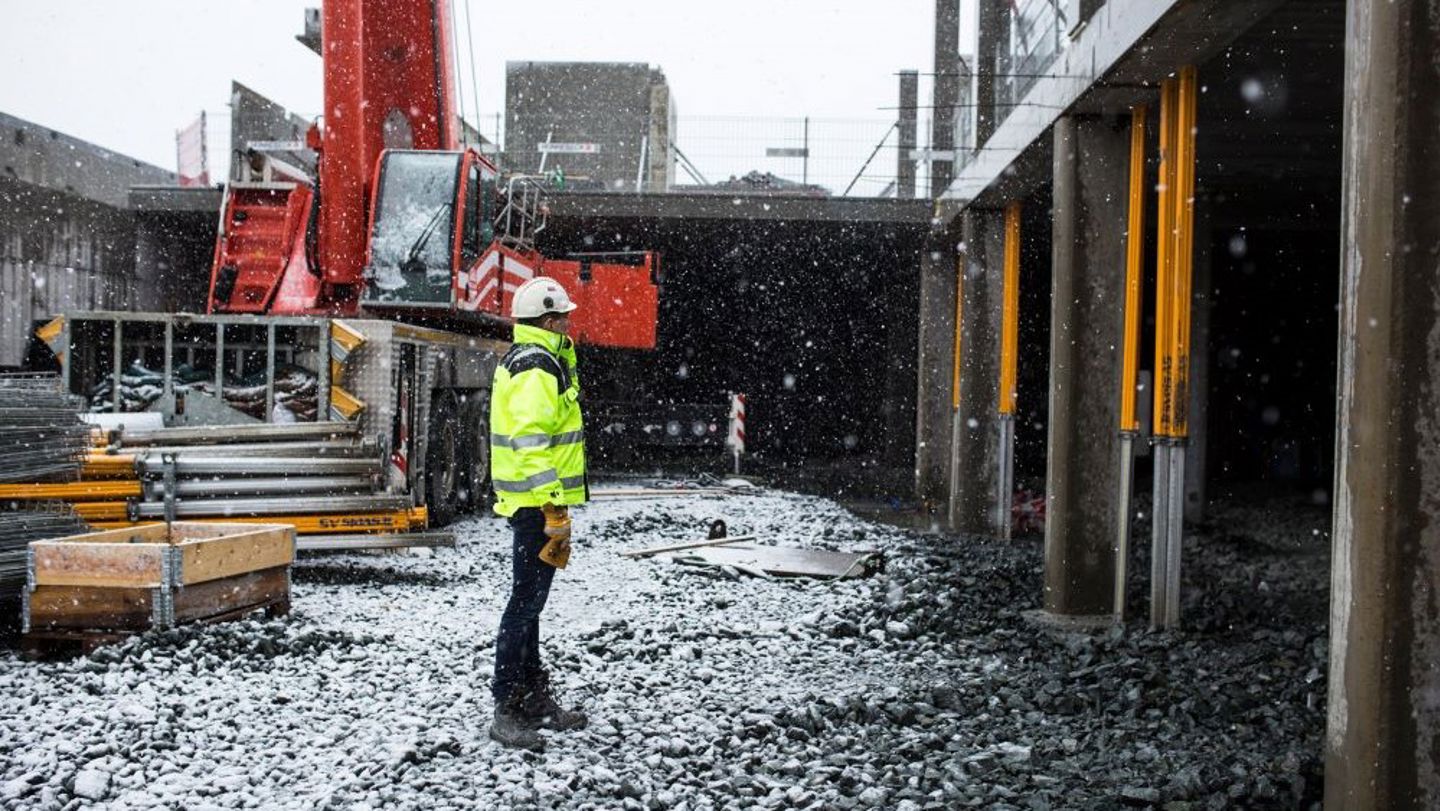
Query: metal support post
{"points": [[1172, 340], [169, 382], [269, 372], [1122, 520], [1134, 291], [115, 364], [1004, 496], [220, 361], [1009, 361]]}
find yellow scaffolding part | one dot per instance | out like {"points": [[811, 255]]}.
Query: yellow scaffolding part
{"points": [[1134, 272], [1164, 259], [1176, 248], [1010, 309], [70, 491], [92, 511], [415, 518], [1184, 255], [99, 465]]}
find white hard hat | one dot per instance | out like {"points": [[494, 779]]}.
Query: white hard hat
{"points": [[539, 296]]}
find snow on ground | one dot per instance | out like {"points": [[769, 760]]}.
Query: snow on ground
{"points": [[919, 688]]}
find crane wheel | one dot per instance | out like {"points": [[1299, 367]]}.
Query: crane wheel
{"points": [[475, 417], [444, 456]]}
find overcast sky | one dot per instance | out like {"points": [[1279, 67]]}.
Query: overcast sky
{"points": [[126, 75]]}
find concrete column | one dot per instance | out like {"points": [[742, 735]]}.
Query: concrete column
{"points": [[1087, 321], [975, 467], [935, 369], [947, 92], [1383, 741], [904, 163], [1201, 286], [987, 44]]}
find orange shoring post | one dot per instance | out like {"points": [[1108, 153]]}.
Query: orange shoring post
{"points": [[1134, 272], [1010, 309], [1183, 255], [1164, 260], [959, 310]]}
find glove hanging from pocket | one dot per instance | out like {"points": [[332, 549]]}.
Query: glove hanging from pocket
{"points": [[556, 551]]}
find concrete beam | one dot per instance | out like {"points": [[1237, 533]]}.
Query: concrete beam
{"points": [[938, 273], [1124, 43], [1383, 741], [722, 206], [1087, 321], [176, 199], [975, 465]]}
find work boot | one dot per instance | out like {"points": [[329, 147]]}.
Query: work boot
{"points": [[511, 728], [542, 711]]}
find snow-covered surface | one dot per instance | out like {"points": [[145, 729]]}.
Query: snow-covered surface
{"points": [[921, 687]]}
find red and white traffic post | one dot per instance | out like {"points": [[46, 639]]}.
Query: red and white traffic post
{"points": [[735, 441]]}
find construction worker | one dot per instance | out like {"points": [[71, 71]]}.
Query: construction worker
{"points": [[537, 465]]}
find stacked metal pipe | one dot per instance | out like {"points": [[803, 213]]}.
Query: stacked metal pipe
{"points": [[42, 437]]}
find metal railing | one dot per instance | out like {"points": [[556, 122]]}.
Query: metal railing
{"points": [[794, 155]]}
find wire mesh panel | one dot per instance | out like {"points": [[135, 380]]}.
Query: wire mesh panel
{"points": [[41, 434]]}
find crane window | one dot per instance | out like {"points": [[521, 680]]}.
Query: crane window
{"points": [[410, 249], [472, 245]]}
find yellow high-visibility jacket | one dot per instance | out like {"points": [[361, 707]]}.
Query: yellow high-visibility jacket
{"points": [[537, 435]]}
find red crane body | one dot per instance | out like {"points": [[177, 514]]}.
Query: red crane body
{"points": [[403, 222]]}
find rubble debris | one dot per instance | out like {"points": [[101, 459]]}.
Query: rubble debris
{"points": [[922, 687]]}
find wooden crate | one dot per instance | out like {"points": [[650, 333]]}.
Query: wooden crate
{"points": [[156, 576]]}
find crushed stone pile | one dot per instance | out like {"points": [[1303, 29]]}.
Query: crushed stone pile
{"points": [[922, 687]]}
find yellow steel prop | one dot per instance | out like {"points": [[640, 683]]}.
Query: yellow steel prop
{"points": [[1175, 232], [1184, 254], [1010, 309], [1134, 281], [340, 523], [93, 511], [1164, 260], [70, 491]]}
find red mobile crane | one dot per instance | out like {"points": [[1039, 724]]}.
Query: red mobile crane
{"points": [[403, 221], [367, 300]]}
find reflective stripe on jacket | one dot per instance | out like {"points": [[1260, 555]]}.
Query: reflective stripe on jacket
{"points": [[537, 435]]}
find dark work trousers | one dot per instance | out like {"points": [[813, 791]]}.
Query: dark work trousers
{"points": [[517, 647]]}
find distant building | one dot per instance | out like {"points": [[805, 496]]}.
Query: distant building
{"points": [[605, 125], [67, 235]]}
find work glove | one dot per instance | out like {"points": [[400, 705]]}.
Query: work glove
{"points": [[556, 551]]}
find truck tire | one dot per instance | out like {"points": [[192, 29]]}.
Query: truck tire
{"points": [[444, 457], [475, 415]]}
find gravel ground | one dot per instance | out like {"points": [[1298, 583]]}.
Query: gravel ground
{"points": [[923, 687]]}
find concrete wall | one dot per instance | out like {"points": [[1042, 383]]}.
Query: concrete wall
{"points": [[67, 240], [58, 253], [625, 108]]}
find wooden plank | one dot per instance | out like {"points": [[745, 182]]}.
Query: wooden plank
{"points": [[215, 597], [84, 607], [655, 550], [151, 532], [116, 565], [213, 558], [201, 530]]}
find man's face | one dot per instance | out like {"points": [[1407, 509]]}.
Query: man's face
{"points": [[556, 322]]}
